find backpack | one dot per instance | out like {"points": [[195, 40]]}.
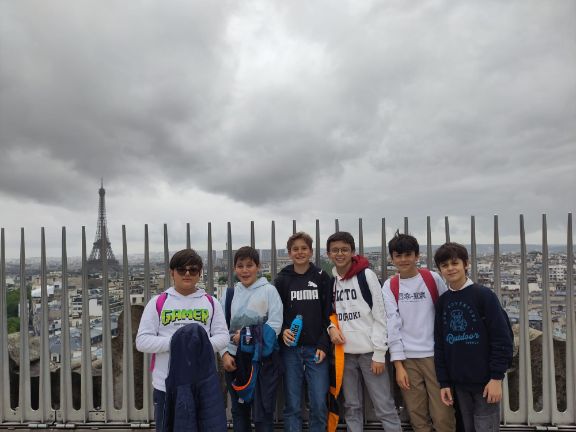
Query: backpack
{"points": [[160, 300], [228, 305], [428, 280], [248, 359], [364, 288]]}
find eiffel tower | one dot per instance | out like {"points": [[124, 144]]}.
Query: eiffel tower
{"points": [[102, 246]]}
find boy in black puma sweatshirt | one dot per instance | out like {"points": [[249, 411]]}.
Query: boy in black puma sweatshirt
{"points": [[305, 290]]}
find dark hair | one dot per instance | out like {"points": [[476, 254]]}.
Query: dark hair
{"points": [[449, 251], [299, 236], [342, 236], [403, 243], [185, 257], [247, 252]]}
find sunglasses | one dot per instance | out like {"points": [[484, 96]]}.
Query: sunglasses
{"points": [[194, 271]]}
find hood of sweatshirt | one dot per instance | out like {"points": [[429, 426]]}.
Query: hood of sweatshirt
{"points": [[288, 271], [260, 282], [359, 263]]}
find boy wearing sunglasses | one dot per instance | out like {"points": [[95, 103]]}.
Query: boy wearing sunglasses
{"points": [[181, 304]]}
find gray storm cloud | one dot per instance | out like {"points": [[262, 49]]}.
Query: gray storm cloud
{"points": [[259, 102]]}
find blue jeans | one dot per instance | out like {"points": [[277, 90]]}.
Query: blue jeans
{"points": [[477, 414], [159, 398], [300, 364]]}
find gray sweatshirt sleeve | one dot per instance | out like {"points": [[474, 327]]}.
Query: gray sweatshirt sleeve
{"points": [[275, 309], [378, 334], [393, 324], [218, 330]]}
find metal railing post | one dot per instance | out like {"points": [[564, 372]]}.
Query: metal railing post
{"points": [[45, 394], [65, 367], [86, 385], [210, 263], [273, 252], [429, 257], [5, 409], [128, 408], [24, 366], [317, 248]]}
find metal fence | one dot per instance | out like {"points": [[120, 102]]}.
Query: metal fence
{"points": [[38, 405]]}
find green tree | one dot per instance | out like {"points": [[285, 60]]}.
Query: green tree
{"points": [[12, 303], [12, 300], [13, 325]]}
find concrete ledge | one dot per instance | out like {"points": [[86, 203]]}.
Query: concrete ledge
{"points": [[277, 427]]}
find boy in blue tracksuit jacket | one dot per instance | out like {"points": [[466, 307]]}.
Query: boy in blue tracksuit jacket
{"points": [[473, 345]]}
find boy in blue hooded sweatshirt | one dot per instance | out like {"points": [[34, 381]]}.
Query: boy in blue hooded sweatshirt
{"points": [[255, 313]]}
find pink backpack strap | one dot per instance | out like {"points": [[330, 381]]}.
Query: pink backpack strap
{"points": [[395, 286], [211, 300], [430, 284], [160, 300]]}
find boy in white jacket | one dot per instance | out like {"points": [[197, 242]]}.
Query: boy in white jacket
{"points": [[181, 304], [409, 298], [363, 333]]}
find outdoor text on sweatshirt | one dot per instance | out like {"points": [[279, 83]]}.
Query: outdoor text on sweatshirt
{"points": [[469, 350]]}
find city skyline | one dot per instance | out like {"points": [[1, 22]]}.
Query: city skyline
{"points": [[158, 256]]}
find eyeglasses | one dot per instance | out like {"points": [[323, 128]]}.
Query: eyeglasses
{"points": [[194, 271], [343, 251]]}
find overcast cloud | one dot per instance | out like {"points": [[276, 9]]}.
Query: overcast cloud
{"points": [[259, 110]]}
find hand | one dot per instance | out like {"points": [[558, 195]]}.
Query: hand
{"points": [[228, 362], [236, 338], [446, 396], [493, 391], [320, 355], [401, 376], [287, 337], [377, 368], [336, 336]]}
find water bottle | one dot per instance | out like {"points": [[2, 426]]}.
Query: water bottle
{"points": [[296, 329], [248, 336]]}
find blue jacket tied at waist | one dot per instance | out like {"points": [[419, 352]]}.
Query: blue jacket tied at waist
{"points": [[194, 401]]}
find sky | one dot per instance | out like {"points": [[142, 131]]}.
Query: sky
{"points": [[256, 110]]}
